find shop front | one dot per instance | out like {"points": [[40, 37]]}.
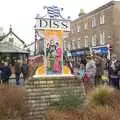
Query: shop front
{"points": [[80, 52]]}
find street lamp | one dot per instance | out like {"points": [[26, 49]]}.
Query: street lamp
{"points": [[35, 40]]}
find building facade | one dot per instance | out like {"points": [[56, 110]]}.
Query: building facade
{"points": [[97, 28]]}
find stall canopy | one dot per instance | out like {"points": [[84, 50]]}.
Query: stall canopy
{"points": [[7, 47]]}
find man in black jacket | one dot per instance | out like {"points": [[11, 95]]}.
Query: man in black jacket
{"points": [[17, 72], [6, 73], [113, 69]]}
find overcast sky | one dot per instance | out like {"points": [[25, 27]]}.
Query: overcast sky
{"points": [[21, 13]]}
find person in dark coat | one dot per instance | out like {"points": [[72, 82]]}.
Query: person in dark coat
{"points": [[99, 68], [24, 69], [83, 61], [1, 70], [113, 69], [6, 73], [17, 71]]}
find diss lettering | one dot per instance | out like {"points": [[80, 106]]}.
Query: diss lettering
{"points": [[53, 24]]}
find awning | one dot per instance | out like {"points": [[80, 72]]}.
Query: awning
{"points": [[6, 47]]}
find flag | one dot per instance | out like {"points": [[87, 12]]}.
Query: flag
{"points": [[53, 11]]}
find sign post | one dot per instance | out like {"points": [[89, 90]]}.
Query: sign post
{"points": [[52, 29]]}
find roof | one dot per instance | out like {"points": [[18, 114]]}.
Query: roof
{"points": [[11, 32], [9, 48], [98, 9]]}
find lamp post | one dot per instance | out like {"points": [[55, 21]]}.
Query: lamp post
{"points": [[109, 46], [35, 40]]}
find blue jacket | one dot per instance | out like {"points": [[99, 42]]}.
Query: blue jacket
{"points": [[1, 71], [6, 72], [25, 68]]}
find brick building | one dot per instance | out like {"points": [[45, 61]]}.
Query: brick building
{"points": [[98, 27]]}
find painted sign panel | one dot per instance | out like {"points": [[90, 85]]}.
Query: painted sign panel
{"points": [[54, 51], [53, 24]]}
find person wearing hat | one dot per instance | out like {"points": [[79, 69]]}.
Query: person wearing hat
{"points": [[91, 68], [113, 70], [99, 68]]}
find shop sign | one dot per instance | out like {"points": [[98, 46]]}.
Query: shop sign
{"points": [[101, 50], [78, 53], [54, 24]]}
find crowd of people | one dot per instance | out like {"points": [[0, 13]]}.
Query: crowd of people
{"points": [[16, 68], [96, 69]]}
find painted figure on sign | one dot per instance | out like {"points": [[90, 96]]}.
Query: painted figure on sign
{"points": [[57, 66], [48, 55], [51, 55]]}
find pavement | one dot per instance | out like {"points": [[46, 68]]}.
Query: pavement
{"points": [[12, 81]]}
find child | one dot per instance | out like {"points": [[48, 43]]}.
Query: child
{"points": [[81, 71]]}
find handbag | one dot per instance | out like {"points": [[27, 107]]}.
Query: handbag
{"points": [[104, 77], [85, 77]]}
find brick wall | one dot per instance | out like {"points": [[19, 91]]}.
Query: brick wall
{"points": [[43, 91]]}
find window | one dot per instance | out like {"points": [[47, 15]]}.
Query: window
{"points": [[65, 45], [102, 19], [79, 42], [76, 45], [86, 41], [69, 45], [94, 40], [72, 31], [73, 44], [93, 22], [102, 38], [78, 28], [86, 26]]}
